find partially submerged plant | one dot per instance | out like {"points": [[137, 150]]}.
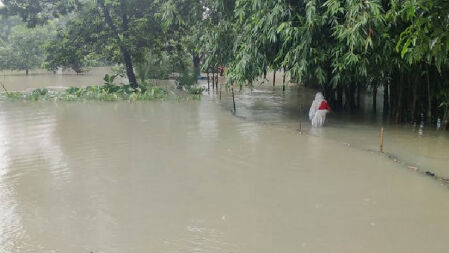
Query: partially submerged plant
{"points": [[196, 90], [102, 93]]}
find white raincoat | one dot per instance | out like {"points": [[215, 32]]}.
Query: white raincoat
{"points": [[318, 117]]}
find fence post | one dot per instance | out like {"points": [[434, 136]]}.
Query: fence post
{"points": [[382, 139]]}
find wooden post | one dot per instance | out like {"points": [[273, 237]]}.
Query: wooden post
{"points": [[233, 97], [220, 91], [382, 139], [274, 78]]}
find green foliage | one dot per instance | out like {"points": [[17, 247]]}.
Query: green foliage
{"points": [[6, 26], [24, 48], [37, 12], [68, 49], [187, 78], [196, 90], [340, 46], [109, 79], [426, 36], [154, 67], [108, 92]]}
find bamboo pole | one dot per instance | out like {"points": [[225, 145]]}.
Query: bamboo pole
{"points": [[382, 139], [208, 81], [216, 83], [283, 82], [213, 79], [233, 97]]}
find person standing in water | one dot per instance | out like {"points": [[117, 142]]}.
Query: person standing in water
{"points": [[318, 110]]}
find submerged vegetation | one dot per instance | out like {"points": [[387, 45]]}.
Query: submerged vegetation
{"points": [[109, 91], [102, 93], [397, 48], [344, 48]]}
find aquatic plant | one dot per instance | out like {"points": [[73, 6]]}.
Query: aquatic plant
{"points": [[196, 90], [109, 79], [108, 92]]}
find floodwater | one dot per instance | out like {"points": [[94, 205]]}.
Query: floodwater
{"points": [[191, 177], [17, 81], [427, 151]]}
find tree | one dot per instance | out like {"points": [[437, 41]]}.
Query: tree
{"points": [[71, 47], [25, 51], [116, 18]]}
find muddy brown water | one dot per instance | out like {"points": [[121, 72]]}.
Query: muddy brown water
{"points": [[189, 176], [427, 151], [17, 81]]}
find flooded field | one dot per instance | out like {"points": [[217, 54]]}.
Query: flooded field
{"points": [[191, 177], [427, 151], [17, 81]]}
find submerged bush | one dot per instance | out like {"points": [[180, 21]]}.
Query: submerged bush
{"points": [[186, 79], [109, 92], [196, 90]]}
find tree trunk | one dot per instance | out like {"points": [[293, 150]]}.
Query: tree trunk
{"points": [[399, 102], [213, 79], [350, 97], [328, 93], [216, 81], [233, 97], [208, 81], [386, 106], [265, 74], [414, 101], [123, 49], [283, 81], [375, 98], [429, 98], [339, 104], [196, 66], [27, 71], [129, 68], [358, 96], [446, 120]]}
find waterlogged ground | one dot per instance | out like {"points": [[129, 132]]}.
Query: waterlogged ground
{"points": [[426, 151], [191, 177]]}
